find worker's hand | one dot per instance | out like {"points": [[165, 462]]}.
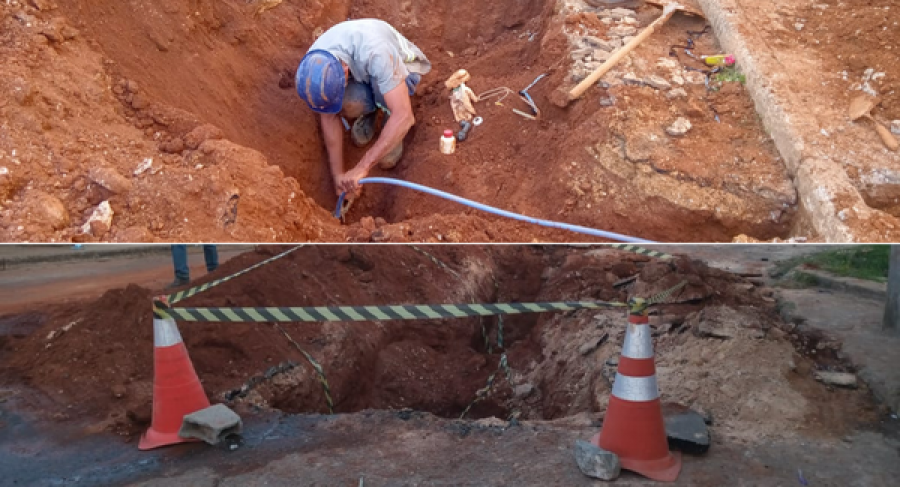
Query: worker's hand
{"points": [[349, 181]]}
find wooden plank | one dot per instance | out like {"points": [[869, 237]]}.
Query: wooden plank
{"points": [[691, 7]]}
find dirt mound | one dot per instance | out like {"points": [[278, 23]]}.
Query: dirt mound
{"points": [[716, 340], [70, 144]]}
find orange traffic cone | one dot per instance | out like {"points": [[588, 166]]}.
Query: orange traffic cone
{"points": [[176, 388], [633, 428]]}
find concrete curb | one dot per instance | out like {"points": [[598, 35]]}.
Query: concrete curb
{"points": [[86, 254], [817, 199], [849, 285]]}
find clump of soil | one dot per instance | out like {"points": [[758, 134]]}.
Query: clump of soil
{"points": [[716, 345]]}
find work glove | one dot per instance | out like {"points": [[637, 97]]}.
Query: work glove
{"points": [[462, 101], [462, 98]]}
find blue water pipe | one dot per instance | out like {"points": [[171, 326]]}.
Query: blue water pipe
{"points": [[496, 211]]}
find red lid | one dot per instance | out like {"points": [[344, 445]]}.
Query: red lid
{"points": [[448, 133]]}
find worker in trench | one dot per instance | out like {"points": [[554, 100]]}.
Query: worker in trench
{"points": [[354, 70]]}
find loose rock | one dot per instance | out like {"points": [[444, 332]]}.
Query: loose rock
{"points": [[103, 213], [668, 63], [523, 390], [110, 179], [676, 93], [695, 78], [140, 102], [596, 462], [592, 344], [57, 30], [134, 234], [687, 432], [48, 209], [599, 43], [201, 134], [632, 79], [7, 184], [42, 5], [895, 127], [657, 82], [623, 31], [679, 127], [621, 13], [839, 379], [492, 422], [132, 86], [172, 146], [579, 54], [601, 55]]}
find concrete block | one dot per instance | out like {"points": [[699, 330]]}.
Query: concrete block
{"points": [[687, 432], [211, 425]]}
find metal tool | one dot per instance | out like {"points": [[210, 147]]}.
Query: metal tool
{"points": [[860, 108], [535, 111], [343, 206]]}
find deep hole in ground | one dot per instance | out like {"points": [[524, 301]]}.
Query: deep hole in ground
{"points": [[176, 65], [91, 362]]}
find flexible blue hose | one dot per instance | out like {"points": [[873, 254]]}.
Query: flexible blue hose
{"points": [[496, 211]]}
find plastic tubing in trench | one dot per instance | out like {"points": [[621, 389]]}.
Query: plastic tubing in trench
{"points": [[496, 211]]}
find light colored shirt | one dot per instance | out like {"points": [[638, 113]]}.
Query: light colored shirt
{"points": [[376, 53]]}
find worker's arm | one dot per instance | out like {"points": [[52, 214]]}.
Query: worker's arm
{"points": [[333, 132], [399, 123]]}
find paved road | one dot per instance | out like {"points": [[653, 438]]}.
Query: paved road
{"points": [[24, 286]]}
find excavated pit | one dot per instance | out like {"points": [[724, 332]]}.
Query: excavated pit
{"points": [[605, 162], [91, 362]]}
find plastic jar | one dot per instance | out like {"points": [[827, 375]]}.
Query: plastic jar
{"points": [[448, 142]]}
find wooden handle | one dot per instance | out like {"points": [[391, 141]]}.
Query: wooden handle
{"points": [[886, 136], [586, 83]]}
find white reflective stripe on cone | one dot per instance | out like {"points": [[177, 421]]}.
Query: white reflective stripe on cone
{"points": [[635, 388], [637, 342], [165, 332]]}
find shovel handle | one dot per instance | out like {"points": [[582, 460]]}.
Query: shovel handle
{"points": [[586, 83], [886, 136]]}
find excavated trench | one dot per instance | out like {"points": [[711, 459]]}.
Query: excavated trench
{"points": [[604, 162], [91, 362]]}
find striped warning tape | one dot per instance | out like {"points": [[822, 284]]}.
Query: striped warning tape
{"points": [[370, 313], [485, 391], [503, 365], [665, 295], [182, 295], [313, 314], [641, 250], [320, 372]]}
